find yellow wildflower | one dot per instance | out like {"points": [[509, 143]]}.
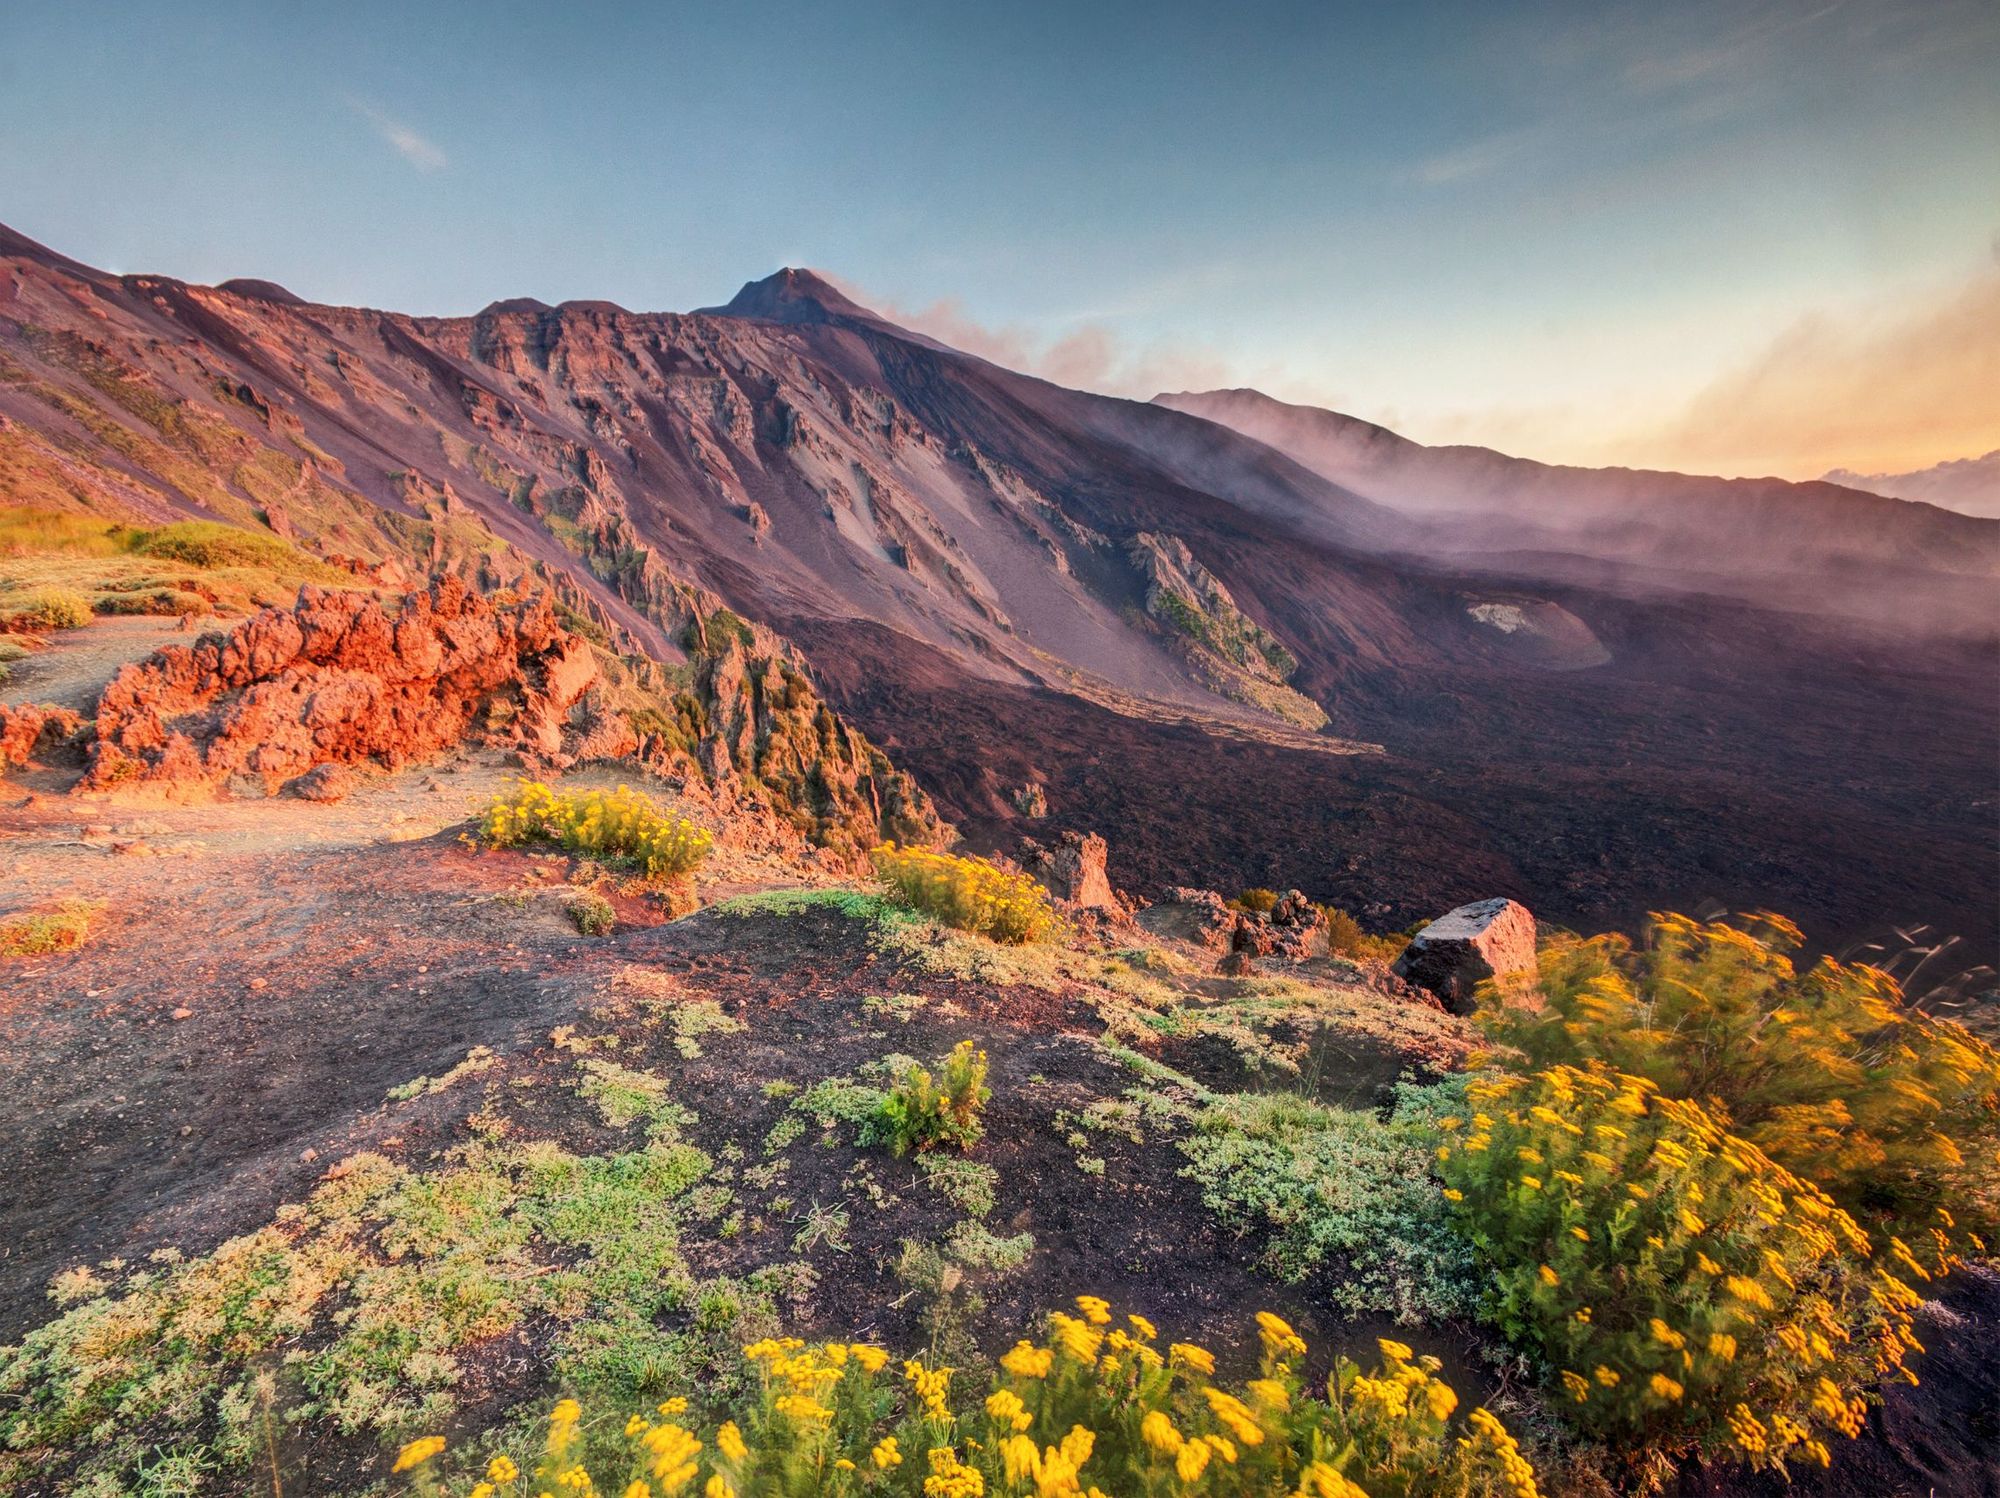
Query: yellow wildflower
{"points": [[1321, 1481], [418, 1452], [1187, 1355], [1005, 1407], [1157, 1431], [1029, 1361]]}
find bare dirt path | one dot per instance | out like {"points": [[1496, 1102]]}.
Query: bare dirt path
{"points": [[259, 975], [71, 668]]}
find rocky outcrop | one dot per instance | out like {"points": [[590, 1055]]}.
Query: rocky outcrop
{"points": [[324, 783], [1293, 929], [1238, 657], [340, 679], [27, 730], [1074, 872], [762, 739], [1461, 949], [1200, 916]]}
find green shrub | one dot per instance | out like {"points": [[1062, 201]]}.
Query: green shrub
{"points": [[159, 601], [1345, 938], [43, 933], [26, 530], [1258, 901], [592, 913], [49, 608], [1685, 1293], [209, 543], [621, 824], [922, 1112], [968, 893], [1894, 1114]]}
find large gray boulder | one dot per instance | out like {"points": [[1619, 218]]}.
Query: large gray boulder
{"points": [[1459, 950]]}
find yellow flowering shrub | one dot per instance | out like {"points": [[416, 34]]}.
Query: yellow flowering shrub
{"points": [[1894, 1114], [620, 824], [1685, 1291], [968, 893], [1095, 1408]]}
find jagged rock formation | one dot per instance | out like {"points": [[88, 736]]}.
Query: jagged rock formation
{"points": [[29, 729], [339, 679], [765, 737], [1074, 872], [1462, 948], [292, 696]]}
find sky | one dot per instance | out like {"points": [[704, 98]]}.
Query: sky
{"points": [[1715, 235]]}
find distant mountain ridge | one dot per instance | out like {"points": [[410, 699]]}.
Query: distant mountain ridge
{"points": [[1968, 485], [1144, 611], [1759, 529]]}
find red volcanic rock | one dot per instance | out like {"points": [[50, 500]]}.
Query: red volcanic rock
{"points": [[27, 730], [337, 679]]}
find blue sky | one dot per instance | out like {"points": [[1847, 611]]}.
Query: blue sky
{"points": [[1700, 234]]}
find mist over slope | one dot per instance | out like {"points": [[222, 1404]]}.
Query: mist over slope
{"points": [[1767, 540], [1598, 693], [1968, 485]]}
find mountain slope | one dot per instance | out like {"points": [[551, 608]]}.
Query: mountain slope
{"points": [[1005, 581]]}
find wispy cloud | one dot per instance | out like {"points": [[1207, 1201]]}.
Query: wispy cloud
{"points": [[1091, 356], [1474, 159], [1632, 78], [1884, 388], [421, 152]]}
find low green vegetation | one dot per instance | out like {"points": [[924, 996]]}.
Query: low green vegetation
{"points": [[34, 610], [925, 1112], [966, 1184], [396, 1274], [696, 1018], [99, 566], [41, 933], [591, 913], [1332, 1188]]}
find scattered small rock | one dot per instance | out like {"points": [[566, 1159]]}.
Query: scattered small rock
{"points": [[183, 1013]]}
